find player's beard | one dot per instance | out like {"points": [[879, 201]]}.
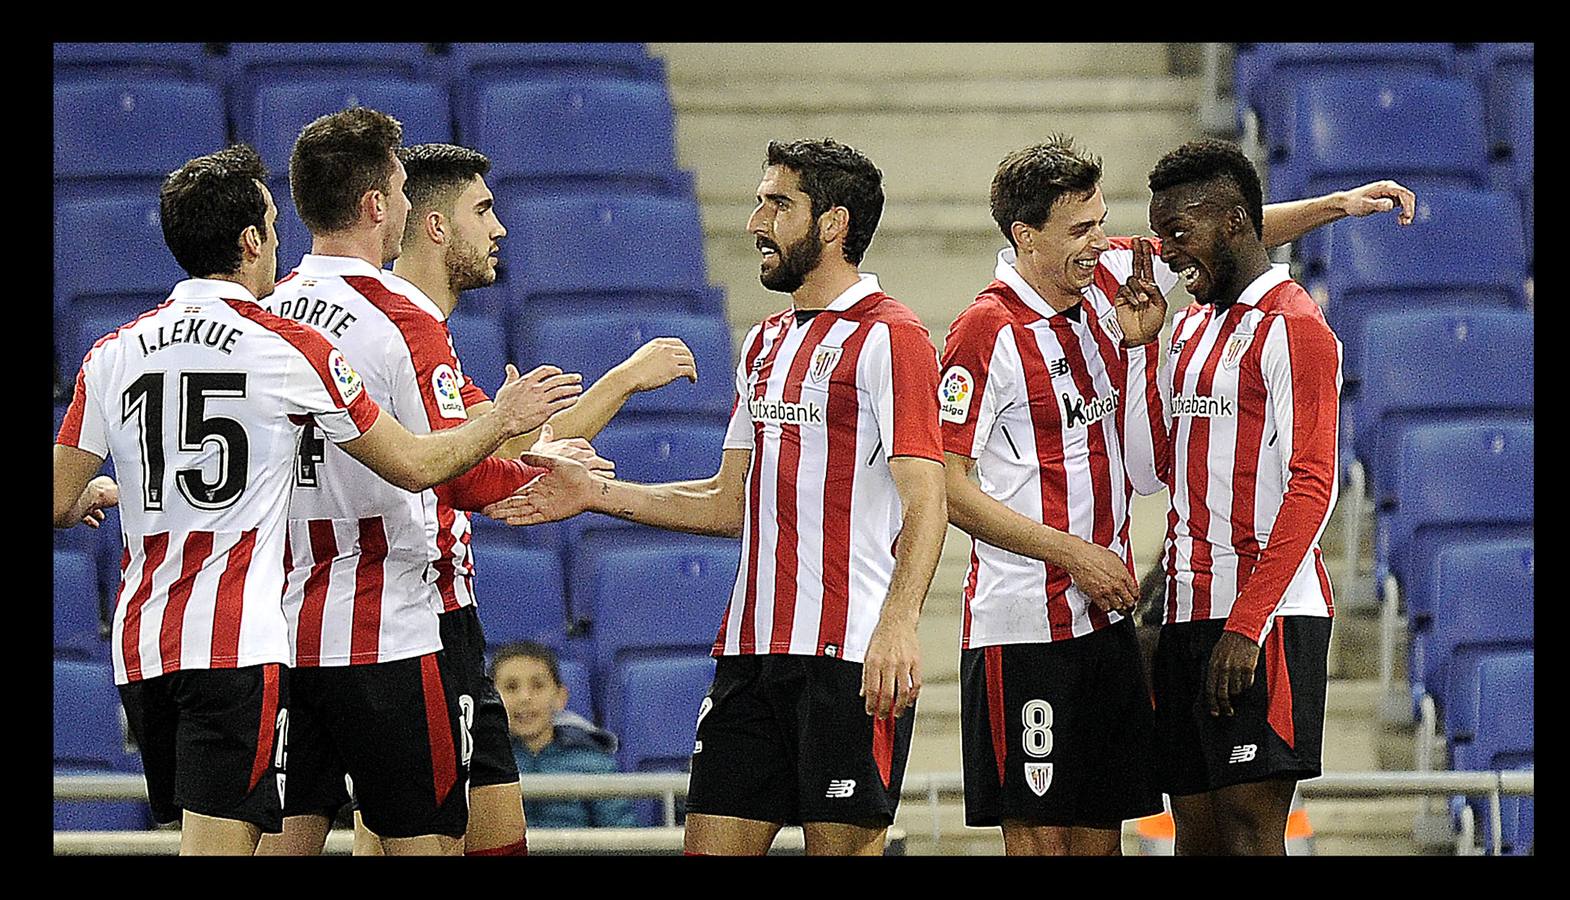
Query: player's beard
{"points": [[1222, 272], [468, 267], [796, 262]]}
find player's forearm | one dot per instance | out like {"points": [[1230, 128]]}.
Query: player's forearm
{"points": [[1286, 222], [595, 408], [696, 507], [916, 554], [1304, 511], [444, 455], [989, 521]]}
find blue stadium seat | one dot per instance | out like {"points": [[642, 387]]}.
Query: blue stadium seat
{"points": [[1468, 479], [652, 598], [1437, 365], [1506, 740], [76, 607], [1511, 128], [1478, 603], [250, 65], [110, 262], [121, 138], [493, 301], [89, 738], [121, 61], [1266, 70], [282, 109], [578, 135], [659, 717], [1338, 132], [1376, 264], [626, 250], [481, 343], [520, 595], [471, 68], [593, 346], [580, 695]]}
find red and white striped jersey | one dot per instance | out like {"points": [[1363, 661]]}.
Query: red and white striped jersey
{"points": [[823, 404], [200, 402], [1251, 401], [360, 549], [1046, 403]]}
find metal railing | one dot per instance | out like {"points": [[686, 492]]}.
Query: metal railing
{"points": [[931, 787]]}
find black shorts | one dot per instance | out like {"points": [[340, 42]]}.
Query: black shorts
{"points": [[1277, 725], [1058, 733], [787, 739], [212, 742], [486, 718], [396, 730]]}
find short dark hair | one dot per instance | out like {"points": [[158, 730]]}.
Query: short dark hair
{"points": [[1209, 160], [528, 650], [336, 159], [204, 206], [1029, 181], [833, 174], [437, 172]]}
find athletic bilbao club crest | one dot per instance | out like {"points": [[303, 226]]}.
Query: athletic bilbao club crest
{"points": [[1039, 777], [1237, 345], [348, 380], [824, 359]]}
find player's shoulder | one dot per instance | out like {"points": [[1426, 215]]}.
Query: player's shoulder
{"points": [[885, 310], [984, 317], [1290, 302], [301, 337]]}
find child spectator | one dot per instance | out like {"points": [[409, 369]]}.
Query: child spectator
{"points": [[547, 738]]}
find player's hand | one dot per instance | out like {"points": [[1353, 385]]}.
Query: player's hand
{"points": [[658, 363], [1102, 575], [1378, 197], [100, 494], [576, 449], [567, 489], [1141, 309], [1231, 671], [891, 671], [526, 402]]}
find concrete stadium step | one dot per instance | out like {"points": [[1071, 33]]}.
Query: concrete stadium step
{"points": [[695, 62], [1364, 827]]}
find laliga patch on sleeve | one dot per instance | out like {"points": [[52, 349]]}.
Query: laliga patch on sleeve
{"points": [[954, 394], [447, 387], [348, 380]]}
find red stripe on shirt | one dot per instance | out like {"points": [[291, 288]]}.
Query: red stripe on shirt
{"points": [[267, 726], [913, 370], [785, 490], [438, 729], [839, 486], [1095, 443], [1324, 581], [308, 631], [995, 714], [971, 342], [970, 594], [1047, 424], [315, 348], [230, 605], [1198, 474], [1252, 402], [154, 548], [366, 628], [1179, 369], [198, 546], [749, 632]]}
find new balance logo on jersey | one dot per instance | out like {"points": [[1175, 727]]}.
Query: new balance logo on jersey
{"points": [[781, 413], [1243, 753], [1079, 411], [841, 788], [1202, 407], [1058, 367]]}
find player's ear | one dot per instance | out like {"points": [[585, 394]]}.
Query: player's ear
{"points": [[834, 224], [373, 206], [1023, 236], [251, 241], [435, 227]]}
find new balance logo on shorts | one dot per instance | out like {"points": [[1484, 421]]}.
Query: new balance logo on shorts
{"points": [[1243, 753], [841, 788]]}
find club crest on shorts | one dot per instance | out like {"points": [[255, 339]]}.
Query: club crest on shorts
{"points": [[1237, 345], [824, 359], [1039, 777]]}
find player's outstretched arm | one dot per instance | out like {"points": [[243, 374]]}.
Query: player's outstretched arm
{"points": [[80, 497], [1286, 222], [891, 671], [416, 462], [711, 506], [654, 365], [1096, 570]]}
